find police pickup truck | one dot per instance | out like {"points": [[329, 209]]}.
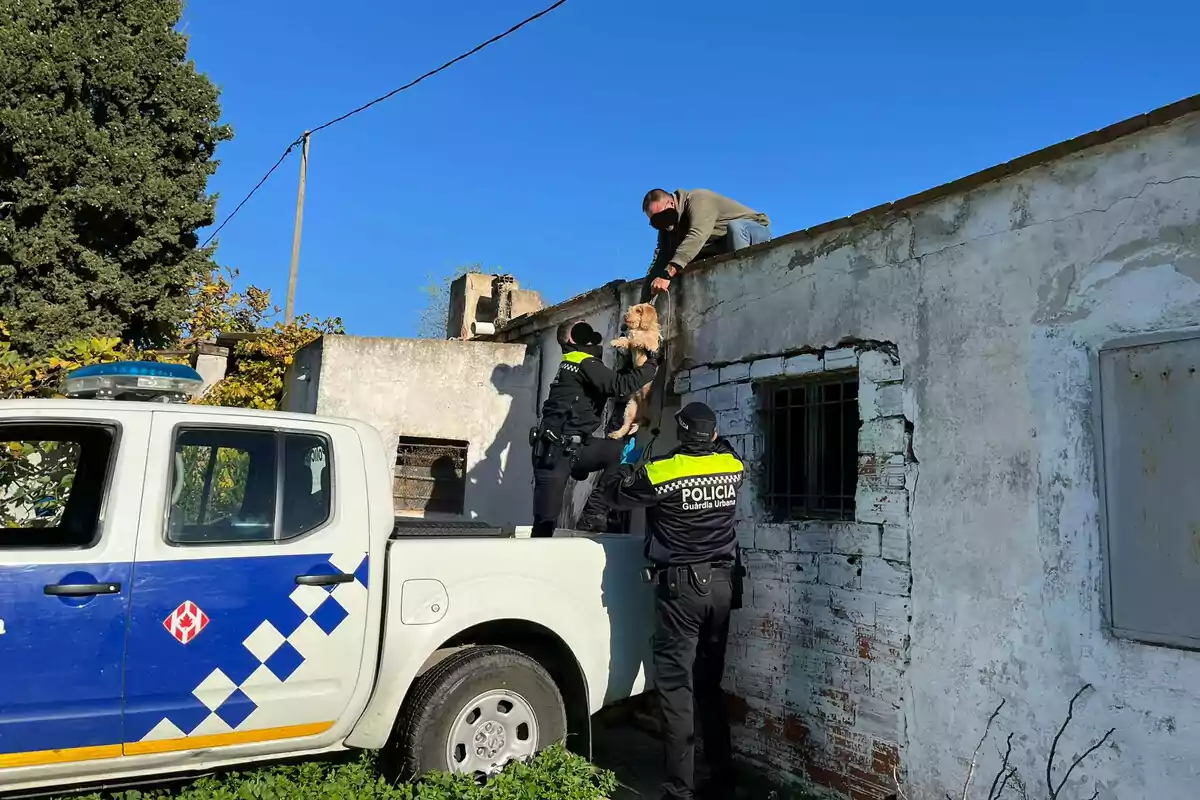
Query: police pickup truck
{"points": [[185, 588]]}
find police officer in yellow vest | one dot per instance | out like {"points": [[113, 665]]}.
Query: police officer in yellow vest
{"points": [[690, 496], [563, 444]]}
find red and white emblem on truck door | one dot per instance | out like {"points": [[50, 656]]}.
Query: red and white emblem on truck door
{"points": [[186, 622]]}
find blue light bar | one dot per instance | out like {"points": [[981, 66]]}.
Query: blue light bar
{"points": [[134, 380], [152, 368]]}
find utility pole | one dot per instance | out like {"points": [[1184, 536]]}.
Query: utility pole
{"points": [[291, 293]]}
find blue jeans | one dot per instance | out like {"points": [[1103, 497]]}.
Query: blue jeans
{"points": [[744, 232]]}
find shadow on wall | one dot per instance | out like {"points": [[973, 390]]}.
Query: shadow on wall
{"points": [[497, 471], [446, 496]]}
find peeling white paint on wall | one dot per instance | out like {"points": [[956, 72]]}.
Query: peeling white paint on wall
{"points": [[996, 301]]}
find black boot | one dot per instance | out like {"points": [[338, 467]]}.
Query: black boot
{"points": [[594, 516], [592, 523]]}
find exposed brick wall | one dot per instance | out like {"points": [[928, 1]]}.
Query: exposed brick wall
{"points": [[817, 656]]}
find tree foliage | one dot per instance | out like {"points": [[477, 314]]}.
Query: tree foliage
{"points": [[107, 138], [432, 324], [41, 376], [215, 307], [259, 362]]}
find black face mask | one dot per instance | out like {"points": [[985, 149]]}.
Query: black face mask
{"points": [[665, 219]]}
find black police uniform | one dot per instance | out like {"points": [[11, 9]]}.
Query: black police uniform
{"points": [[563, 445], [690, 496]]}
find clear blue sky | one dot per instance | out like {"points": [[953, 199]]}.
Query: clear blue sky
{"points": [[533, 155]]}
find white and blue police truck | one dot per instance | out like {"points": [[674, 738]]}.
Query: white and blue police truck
{"points": [[185, 588]]}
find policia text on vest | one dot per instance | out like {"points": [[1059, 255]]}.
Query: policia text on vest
{"points": [[563, 444], [690, 497]]}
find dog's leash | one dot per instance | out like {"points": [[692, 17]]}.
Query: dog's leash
{"points": [[630, 454]]}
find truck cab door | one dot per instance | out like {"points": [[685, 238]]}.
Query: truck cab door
{"points": [[70, 494], [249, 600]]}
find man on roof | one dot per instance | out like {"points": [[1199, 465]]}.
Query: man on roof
{"points": [[694, 224]]}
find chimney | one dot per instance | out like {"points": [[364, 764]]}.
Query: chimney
{"points": [[487, 300]]}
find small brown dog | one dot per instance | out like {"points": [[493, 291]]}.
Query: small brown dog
{"points": [[642, 336]]}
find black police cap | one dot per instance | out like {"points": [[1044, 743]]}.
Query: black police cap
{"points": [[582, 333], [697, 420]]}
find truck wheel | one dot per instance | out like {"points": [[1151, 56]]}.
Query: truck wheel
{"points": [[476, 711]]}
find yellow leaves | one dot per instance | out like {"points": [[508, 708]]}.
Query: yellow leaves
{"points": [[42, 377], [257, 379]]}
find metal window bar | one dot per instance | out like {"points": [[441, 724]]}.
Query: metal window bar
{"points": [[812, 441], [430, 476]]}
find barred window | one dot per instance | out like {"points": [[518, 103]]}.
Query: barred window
{"points": [[431, 475], [812, 447]]}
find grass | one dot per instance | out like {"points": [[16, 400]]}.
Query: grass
{"points": [[554, 774]]}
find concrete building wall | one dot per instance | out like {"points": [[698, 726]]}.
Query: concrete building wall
{"points": [[994, 301], [817, 657], [478, 392], [972, 571], [212, 362]]}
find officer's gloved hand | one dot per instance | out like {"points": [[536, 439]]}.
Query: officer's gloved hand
{"points": [[631, 453]]}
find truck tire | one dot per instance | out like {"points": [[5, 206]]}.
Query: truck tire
{"points": [[474, 712]]}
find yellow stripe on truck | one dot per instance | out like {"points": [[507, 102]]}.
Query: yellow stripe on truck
{"points": [[226, 739], [73, 754], [65, 756]]}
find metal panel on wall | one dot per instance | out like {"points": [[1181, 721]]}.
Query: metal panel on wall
{"points": [[1150, 412]]}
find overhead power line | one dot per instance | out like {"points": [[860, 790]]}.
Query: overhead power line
{"points": [[447, 65], [376, 101], [257, 186]]}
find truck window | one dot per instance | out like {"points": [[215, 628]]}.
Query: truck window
{"points": [[239, 485], [53, 478], [307, 484]]}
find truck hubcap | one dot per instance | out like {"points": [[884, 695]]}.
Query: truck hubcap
{"points": [[493, 729]]}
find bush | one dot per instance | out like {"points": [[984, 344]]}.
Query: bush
{"points": [[554, 774]]}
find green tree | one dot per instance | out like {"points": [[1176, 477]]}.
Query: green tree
{"points": [[432, 324], [107, 141]]}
